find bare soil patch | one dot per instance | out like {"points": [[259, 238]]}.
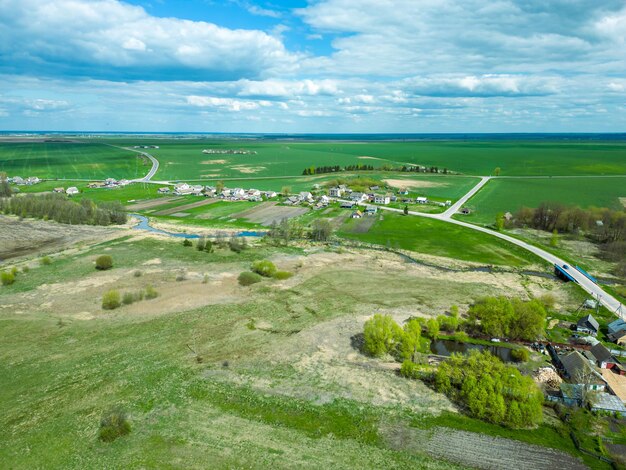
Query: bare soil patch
{"points": [[247, 169], [181, 214], [149, 204], [185, 207], [408, 183], [214, 162], [269, 212]]}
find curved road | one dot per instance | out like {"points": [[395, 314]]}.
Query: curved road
{"points": [[589, 286], [153, 170]]}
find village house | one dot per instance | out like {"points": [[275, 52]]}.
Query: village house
{"points": [[209, 191], [71, 191], [123, 182], [347, 205], [197, 189], [110, 182], [617, 325], [374, 188], [225, 193], [18, 180], [382, 199], [96, 185], [403, 192], [292, 201], [182, 189], [324, 200], [358, 197], [254, 193], [605, 402], [335, 192], [422, 200], [371, 210], [270, 194], [32, 180], [357, 214], [577, 370], [238, 193], [58, 190], [619, 337], [588, 325], [164, 190], [616, 383], [305, 196], [603, 357]]}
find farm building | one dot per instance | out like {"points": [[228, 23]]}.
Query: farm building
{"points": [[422, 200], [335, 192], [305, 196], [618, 337], [72, 191], [588, 324], [270, 194], [163, 190], [182, 189], [579, 371], [357, 214], [371, 210], [347, 205], [58, 190], [605, 402], [617, 325], [603, 357]]}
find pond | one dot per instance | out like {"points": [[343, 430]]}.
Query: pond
{"points": [[144, 224], [446, 347]]}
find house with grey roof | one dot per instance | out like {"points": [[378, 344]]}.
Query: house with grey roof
{"points": [[588, 324]]}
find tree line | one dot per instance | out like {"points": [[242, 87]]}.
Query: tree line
{"points": [[59, 208], [313, 170]]}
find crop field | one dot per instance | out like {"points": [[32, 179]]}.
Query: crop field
{"points": [[210, 371], [69, 160], [268, 213], [509, 195], [436, 238], [185, 160]]}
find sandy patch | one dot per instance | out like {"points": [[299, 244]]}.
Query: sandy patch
{"points": [[211, 175], [152, 262], [365, 157], [398, 183], [213, 162], [247, 169]]}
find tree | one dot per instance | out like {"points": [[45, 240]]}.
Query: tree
{"points": [[104, 262], [496, 171], [499, 221], [5, 188], [432, 328], [406, 210], [187, 242], [410, 341], [219, 187], [285, 190], [208, 246], [554, 239], [321, 230], [381, 335]]}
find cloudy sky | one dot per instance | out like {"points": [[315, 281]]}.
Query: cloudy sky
{"points": [[313, 66]]}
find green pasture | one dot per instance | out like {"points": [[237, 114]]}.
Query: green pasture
{"points": [[70, 160], [439, 238], [509, 195], [183, 159]]}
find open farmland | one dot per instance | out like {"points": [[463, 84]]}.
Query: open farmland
{"points": [[69, 160], [268, 213], [185, 160], [510, 194], [436, 237]]}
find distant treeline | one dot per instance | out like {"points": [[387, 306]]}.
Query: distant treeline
{"points": [[313, 170], [63, 210]]}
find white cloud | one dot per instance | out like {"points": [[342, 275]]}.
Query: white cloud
{"points": [[288, 88], [99, 37], [225, 103], [484, 86]]}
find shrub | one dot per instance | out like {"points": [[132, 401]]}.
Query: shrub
{"points": [[264, 267], [248, 278], [237, 244], [25, 269], [201, 244], [104, 262], [460, 337], [181, 276], [151, 293], [128, 298], [449, 324], [45, 261], [187, 242], [410, 340], [208, 246], [520, 355], [381, 334], [113, 424], [14, 270], [137, 273], [111, 300], [432, 329], [7, 278], [410, 370], [282, 275]]}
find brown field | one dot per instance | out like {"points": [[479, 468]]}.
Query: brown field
{"points": [[150, 203], [364, 224], [269, 212], [408, 183], [184, 207]]}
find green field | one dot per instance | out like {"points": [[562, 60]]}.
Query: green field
{"points": [[437, 238], [509, 195], [70, 160], [183, 159]]}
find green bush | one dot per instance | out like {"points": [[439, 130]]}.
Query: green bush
{"points": [[111, 300], [448, 324], [187, 242], [113, 424], [128, 298], [432, 329], [508, 318], [45, 261], [264, 267], [410, 370], [25, 269], [151, 293], [491, 390], [410, 340], [104, 262], [248, 278], [282, 275], [14, 270], [208, 246], [138, 273], [520, 355], [381, 335], [237, 244], [7, 278]]}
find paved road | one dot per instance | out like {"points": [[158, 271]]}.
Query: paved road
{"points": [[457, 205], [153, 170]]}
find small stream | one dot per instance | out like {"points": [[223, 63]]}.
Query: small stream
{"points": [[144, 224]]}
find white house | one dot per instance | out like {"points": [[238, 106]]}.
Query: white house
{"points": [[225, 192], [18, 180], [358, 197], [58, 190], [335, 192], [382, 199], [357, 214], [72, 191], [197, 189], [324, 200], [110, 182], [164, 190], [182, 189], [238, 193], [270, 194], [305, 196], [254, 193], [32, 180], [421, 200]]}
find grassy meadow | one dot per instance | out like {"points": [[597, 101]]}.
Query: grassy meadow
{"points": [[509, 195], [69, 160]]}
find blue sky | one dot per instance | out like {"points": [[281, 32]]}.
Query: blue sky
{"points": [[313, 65]]}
